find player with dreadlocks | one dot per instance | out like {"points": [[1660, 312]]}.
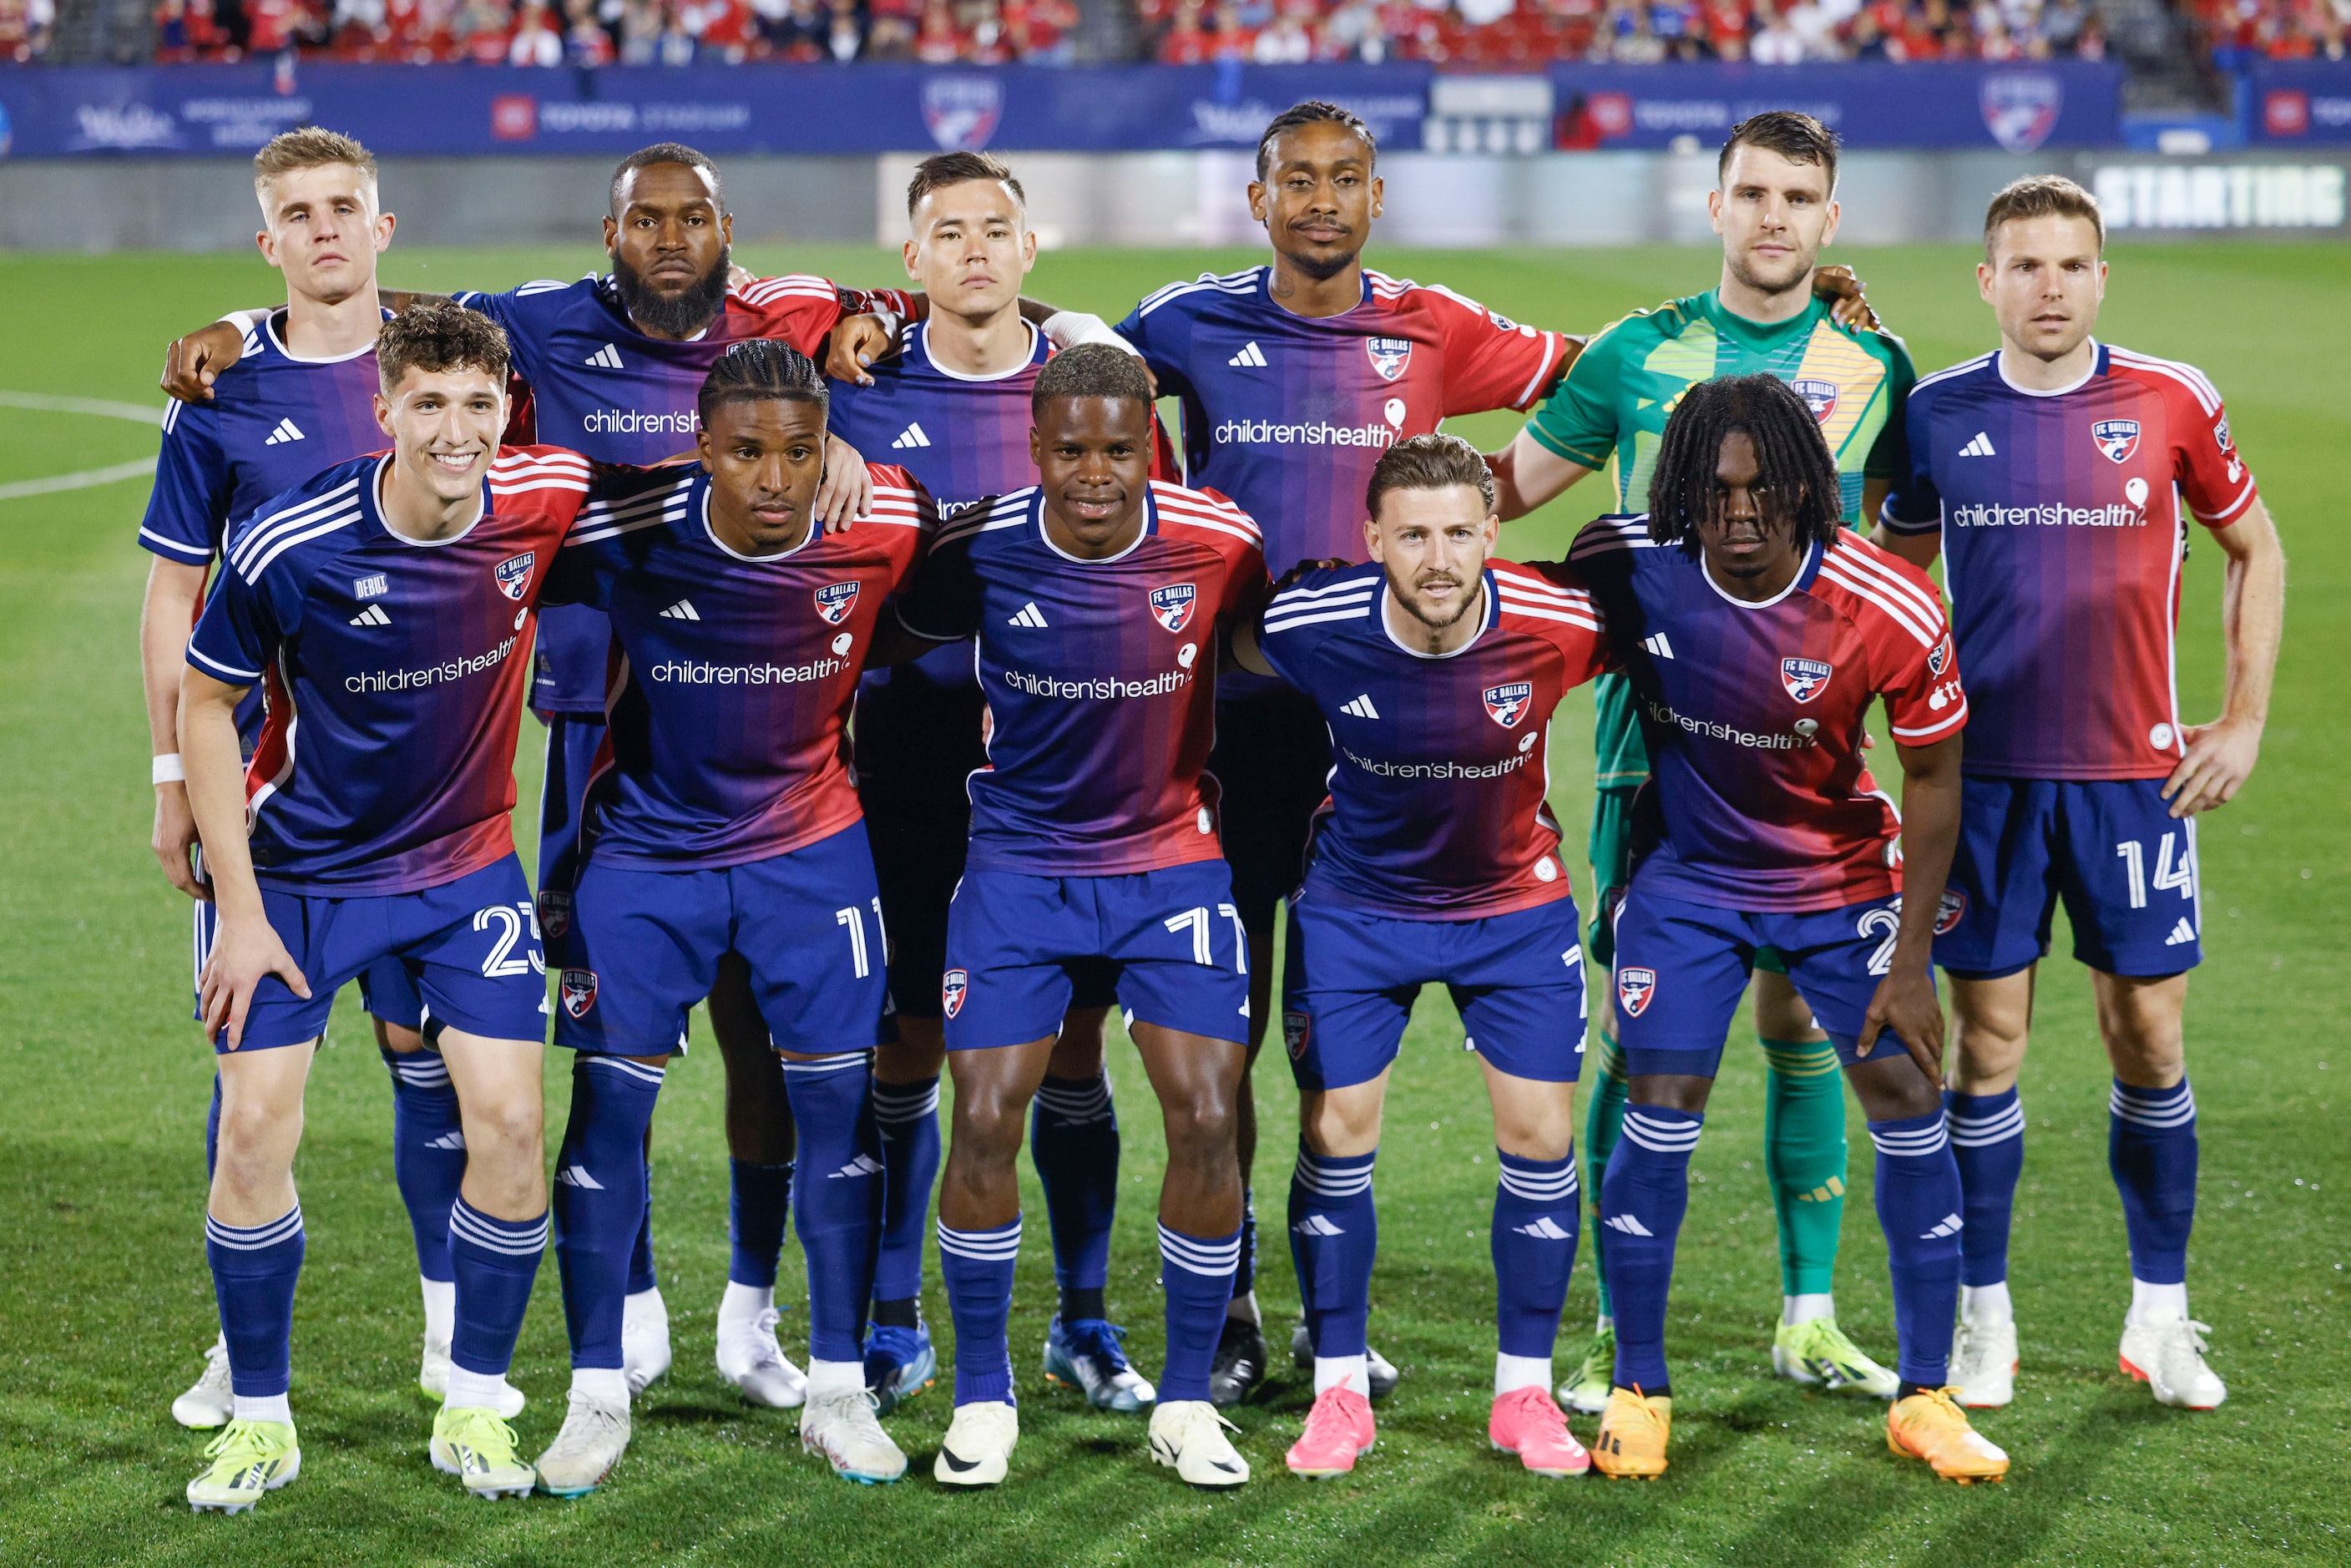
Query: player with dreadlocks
{"points": [[1756, 633]]}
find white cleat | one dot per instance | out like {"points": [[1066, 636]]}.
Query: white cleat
{"points": [[208, 1402], [433, 1378], [978, 1446], [841, 1430], [593, 1438], [1983, 1364], [1189, 1436], [644, 1339], [2168, 1357], [750, 1359]]}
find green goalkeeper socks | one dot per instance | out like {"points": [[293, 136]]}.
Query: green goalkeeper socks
{"points": [[1804, 1151]]}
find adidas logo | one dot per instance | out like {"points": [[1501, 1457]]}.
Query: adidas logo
{"points": [[682, 609], [1656, 644], [1318, 1225], [287, 431], [1951, 1226], [1543, 1229], [577, 1175], [911, 436], [1361, 707], [1628, 1225], [1030, 616], [607, 358], [1980, 448], [450, 1142], [1251, 357], [863, 1165], [372, 615], [2181, 934]]}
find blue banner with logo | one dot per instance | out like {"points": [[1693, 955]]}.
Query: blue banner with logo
{"points": [[2297, 104], [421, 111]]}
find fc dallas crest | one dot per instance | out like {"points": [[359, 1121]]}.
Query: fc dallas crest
{"points": [[1634, 989], [579, 991], [1389, 355], [834, 600], [514, 572], [1949, 909], [1171, 606], [1805, 677], [953, 985], [1507, 704], [1819, 396], [2118, 438]]}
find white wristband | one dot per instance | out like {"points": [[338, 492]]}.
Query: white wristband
{"points": [[170, 770], [1068, 329]]}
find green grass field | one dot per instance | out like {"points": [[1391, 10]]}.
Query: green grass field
{"points": [[106, 1303]]}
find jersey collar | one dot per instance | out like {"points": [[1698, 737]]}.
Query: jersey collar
{"points": [[1800, 583], [1489, 612], [278, 341], [921, 333], [1265, 294], [372, 507], [2098, 368], [1150, 526], [702, 508]]}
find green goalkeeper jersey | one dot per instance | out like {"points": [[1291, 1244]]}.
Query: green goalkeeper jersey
{"points": [[1611, 411]]}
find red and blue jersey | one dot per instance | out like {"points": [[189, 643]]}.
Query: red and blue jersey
{"points": [[1438, 760], [731, 676], [1099, 677], [600, 387], [2063, 535], [1759, 799], [391, 672]]}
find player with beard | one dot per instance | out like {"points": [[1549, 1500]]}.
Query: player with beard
{"points": [[1775, 208]]}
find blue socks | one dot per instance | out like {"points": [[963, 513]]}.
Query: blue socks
{"points": [[1988, 1142], [841, 1195], [1333, 1232], [976, 1265], [428, 1151], [253, 1272], [1073, 1138], [599, 1198], [1245, 1270], [1643, 1197], [642, 1276], [758, 1199], [906, 1117], [1196, 1273], [2151, 1148], [1537, 1214], [1918, 1207], [494, 1262]]}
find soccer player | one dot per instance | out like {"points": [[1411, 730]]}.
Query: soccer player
{"points": [[953, 407], [1757, 633], [722, 818], [301, 399], [1775, 208], [381, 606], [2050, 474], [1437, 669], [1098, 598]]}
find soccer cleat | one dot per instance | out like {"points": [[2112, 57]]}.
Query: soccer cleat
{"points": [[1633, 1433], [208, 1402], [1817, 1351], [644, 1339], [474, 1443], [1241, 1362], [1188, 1436], [248, 1458], [2168, 1357], [750, 1359], [979, 1445], [1930, 1426], [433, 1378], [899, 1364], [841, 1429], [1983, 1364], [593, 1438], [1586, 1392], [1085, 1355], [1339, 1431], [1384, 1374], [1525, 1423]]}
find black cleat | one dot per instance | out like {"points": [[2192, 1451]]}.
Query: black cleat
{"points": [[1240, 1364], [1383, 1376]]}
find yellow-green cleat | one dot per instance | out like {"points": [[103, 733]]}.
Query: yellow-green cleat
{"points": [[1586, 1392], [1816, 1352], [475, 1445], [248, 1458]]}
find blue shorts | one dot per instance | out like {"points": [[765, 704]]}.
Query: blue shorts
{"points": [[469, 947], [1172, 939], [572, 742], [2109, 848], [1681, 968], [1351, 977], [645, 946], [385, 990]]}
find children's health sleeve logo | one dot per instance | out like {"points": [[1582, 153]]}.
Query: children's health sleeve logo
{"points": [[514, 574], [834, 600], [953, 986], [2118, 438], [1634, 989], [1819, 396], [579, 991], [1507, 704], [1805, 677], [1171, 605], [1389, 356]]}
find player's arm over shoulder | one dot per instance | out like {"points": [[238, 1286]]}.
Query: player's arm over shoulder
{"points": [[1312, 600]]}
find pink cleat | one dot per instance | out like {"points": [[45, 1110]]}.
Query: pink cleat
{"points": [[1339, 1431], [1525, 1423]]}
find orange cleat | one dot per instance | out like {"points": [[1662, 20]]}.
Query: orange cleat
{"points": [[1633, 1432], [1930, 1426]]}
